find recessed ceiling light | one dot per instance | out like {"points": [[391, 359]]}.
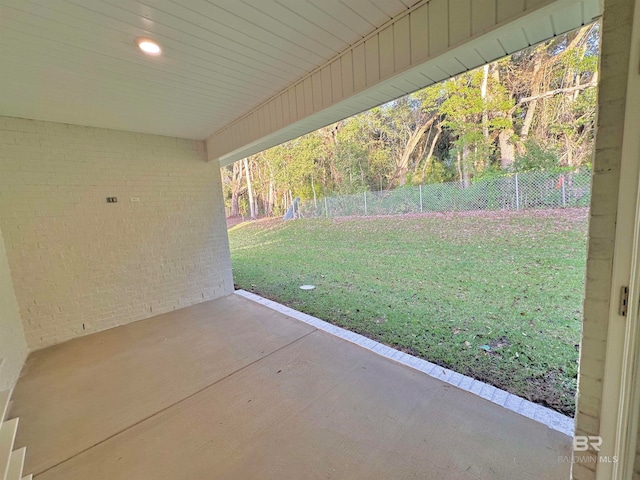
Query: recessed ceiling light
{"points": [[148, 46]]}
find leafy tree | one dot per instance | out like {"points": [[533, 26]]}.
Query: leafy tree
{"points": [[535, 157], [473, 116]]}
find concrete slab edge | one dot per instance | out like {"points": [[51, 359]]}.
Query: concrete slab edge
{"points": [[538, 413]]}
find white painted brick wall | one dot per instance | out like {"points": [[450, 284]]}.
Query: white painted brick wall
{"points": [[13, 348], [618, 15], [81, 265]]}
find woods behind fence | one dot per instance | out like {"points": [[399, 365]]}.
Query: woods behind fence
{"points": [[519, 191]]}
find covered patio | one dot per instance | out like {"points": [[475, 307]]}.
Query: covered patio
{"points": [[231, 389], [124, 351]]}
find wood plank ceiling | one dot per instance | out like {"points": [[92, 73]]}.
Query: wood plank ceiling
{"points": [[75, 61]]}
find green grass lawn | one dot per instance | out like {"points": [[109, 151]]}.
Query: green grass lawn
{"points": [[493, 295]]}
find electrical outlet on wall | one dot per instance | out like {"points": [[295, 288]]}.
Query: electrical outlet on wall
{"points": [[112, 199], [134, 199]]}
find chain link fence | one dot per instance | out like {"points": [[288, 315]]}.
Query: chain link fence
{"points": [[521, 191]]}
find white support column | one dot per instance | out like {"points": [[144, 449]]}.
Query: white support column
{"points": [[621, 385], [608, 396]]}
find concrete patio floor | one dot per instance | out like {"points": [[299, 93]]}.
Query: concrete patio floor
{"points": [[230, 389]]}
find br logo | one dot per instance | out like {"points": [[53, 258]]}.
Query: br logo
{"points": [[581, 443]]}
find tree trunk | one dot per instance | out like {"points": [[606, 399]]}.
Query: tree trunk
{"points": [[431, 149], [483, 95], [403, 165], [236, 189], [569, 150], [528, 119], [531, 108], [313, 187], [466, 176], [268, 209], [235, 207], [507, 149], [459, 163], [593, 83], [252, 206], [334, 172], [271, 194]]}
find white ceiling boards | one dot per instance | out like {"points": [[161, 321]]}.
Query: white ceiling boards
{"points": [[248, 74], [76, 61]]}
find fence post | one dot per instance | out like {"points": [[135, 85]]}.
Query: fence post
{"points": [[564, 196], [326, 208], [420, 198], [517, 194], [365, 203]]}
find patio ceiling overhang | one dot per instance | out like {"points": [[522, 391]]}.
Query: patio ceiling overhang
{"points": [[430, 42], [77, 62], [249, 75]]}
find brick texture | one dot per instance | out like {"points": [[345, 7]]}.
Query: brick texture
{"points": [[13, 348], [80, 264], [615, 50]]}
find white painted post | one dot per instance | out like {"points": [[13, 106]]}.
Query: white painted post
{"points": [[564, 197], [420, 198], [326, 208], [517, 194], [365, 203]]}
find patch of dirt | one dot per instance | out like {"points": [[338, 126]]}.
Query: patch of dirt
{"points": [[233, 221], [499, 343], [264, 221], [549, 390]]}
